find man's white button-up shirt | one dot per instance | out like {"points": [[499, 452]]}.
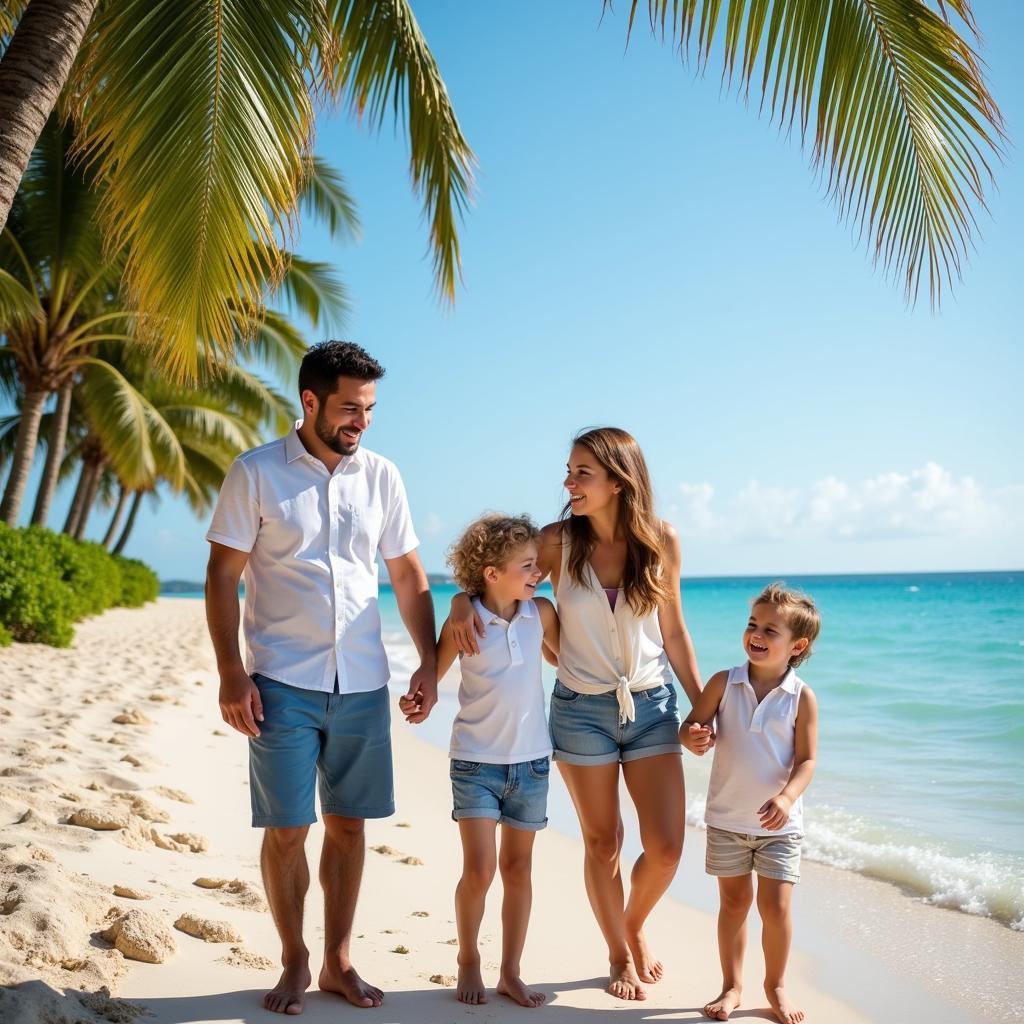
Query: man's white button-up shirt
{"points": [[311, 579]]}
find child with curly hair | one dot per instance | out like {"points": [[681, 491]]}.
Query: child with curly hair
{"points": [[500, 747]]}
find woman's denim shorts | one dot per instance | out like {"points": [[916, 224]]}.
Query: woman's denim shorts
{"points": [[513, 794], [585, 727]]}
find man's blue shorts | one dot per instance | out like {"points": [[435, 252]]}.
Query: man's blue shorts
{"points": [[340, 740]]}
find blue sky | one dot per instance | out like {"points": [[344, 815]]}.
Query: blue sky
{"points": [[645, 251]]}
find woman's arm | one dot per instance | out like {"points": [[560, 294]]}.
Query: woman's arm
{"points": [[549, 620], [674, 634]]}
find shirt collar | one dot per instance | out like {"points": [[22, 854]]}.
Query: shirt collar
{"points": [[788, 680], [524, 611], [295, 449]]}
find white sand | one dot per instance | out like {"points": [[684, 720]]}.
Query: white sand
{"points": [[63, 752]]}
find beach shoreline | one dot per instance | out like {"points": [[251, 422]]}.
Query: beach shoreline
{"points": [[863, 951]]}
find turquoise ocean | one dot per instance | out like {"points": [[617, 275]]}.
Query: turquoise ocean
{"points": [[920, 682]]}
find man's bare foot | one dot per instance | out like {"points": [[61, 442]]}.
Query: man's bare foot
{"points": [[289, 994], [721, 1007], [511, 985], [623, 982], [648, 967], [345, 982], [781, 1006], [470, 986]]}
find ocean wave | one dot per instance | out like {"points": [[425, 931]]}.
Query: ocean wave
{"points": [[990, 885], [982, 884]]}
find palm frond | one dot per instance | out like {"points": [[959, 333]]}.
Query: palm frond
{"points": [[324, 195], [904, 125], [313, 289], [18, 306], [197, 117], [273, 340], [383, 62]]}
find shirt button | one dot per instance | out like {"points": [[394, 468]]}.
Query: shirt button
{"points": [[513, 643]]}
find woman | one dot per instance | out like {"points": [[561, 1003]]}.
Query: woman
{"points": [[615, 570]]}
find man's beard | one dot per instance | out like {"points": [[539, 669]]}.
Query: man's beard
{"points": [[333, 441]]}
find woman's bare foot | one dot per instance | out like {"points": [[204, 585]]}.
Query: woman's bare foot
{"points": [[470, 986], [648, 967], [345, 982], [289, 994], [781, 1006], [511, 985], [721, 1007], [623, 982]]}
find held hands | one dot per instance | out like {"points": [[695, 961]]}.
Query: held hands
{"points": [[240, 704], [698, 739], [421, 697], [775, 812]]}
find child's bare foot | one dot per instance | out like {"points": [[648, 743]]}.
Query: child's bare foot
{"points": [[721, 1007], [623, 982], [781, 1006], [346, 982], [648, 967], [470, 985], [511, 985], [289, 995]]}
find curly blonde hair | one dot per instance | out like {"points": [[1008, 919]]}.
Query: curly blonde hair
{"points": [[492, 540], [798, 612]]}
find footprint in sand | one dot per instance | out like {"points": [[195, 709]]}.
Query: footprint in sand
{"points": [[448, 980], [173, 794], [420, 913], [241, 957]]}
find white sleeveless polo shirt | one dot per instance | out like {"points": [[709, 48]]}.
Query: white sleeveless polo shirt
{"points": [[605, 651], [501, 696], [755, 748]]}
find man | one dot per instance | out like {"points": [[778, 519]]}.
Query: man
{"points": [[304, 518]]}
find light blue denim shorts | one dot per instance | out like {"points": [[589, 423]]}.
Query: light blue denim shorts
{"points": [[585, 727], [512, 794], [340, 742]]}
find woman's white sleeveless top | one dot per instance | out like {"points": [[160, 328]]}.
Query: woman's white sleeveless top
{"points": [[601, 650], [755, 747]]}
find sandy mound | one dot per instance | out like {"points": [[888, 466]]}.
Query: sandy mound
{"points": [[139, 935], [207, 930], [241, 957], [34, 1002]]}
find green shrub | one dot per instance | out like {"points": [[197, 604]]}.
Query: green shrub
{"points": [[36, 604], [49, 581], [89, 570], [139, 584]]}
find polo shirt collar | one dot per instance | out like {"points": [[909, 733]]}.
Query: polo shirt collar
{"points": [[295, 449], [788, 680], [524, 611]]}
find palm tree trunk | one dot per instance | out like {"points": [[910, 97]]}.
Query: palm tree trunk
{"points": [[75, 512], [123, 539], [32, 73], [54, 455], [24, 454], [122, 499], [89, 498]]}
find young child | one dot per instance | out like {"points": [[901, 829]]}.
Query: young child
{"points": [[500, 747], [767, 734]]}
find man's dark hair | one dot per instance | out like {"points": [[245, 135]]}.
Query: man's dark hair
{"points": [[323, 364]]}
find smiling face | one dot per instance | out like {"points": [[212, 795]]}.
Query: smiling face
{"points": [[517, 579], [340, 419], [589, 484], [768, 640]]}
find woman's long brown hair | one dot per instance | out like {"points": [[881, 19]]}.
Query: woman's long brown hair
{"points": [[642, 581]]}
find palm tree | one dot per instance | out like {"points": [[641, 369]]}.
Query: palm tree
{"points": [[61, 294], [198, 119], [903, 122]]}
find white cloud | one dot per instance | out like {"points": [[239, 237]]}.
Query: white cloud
{"points": [[925, 503]]}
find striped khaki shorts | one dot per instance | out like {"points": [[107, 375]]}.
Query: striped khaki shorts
{"points": [[730, 854]]}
